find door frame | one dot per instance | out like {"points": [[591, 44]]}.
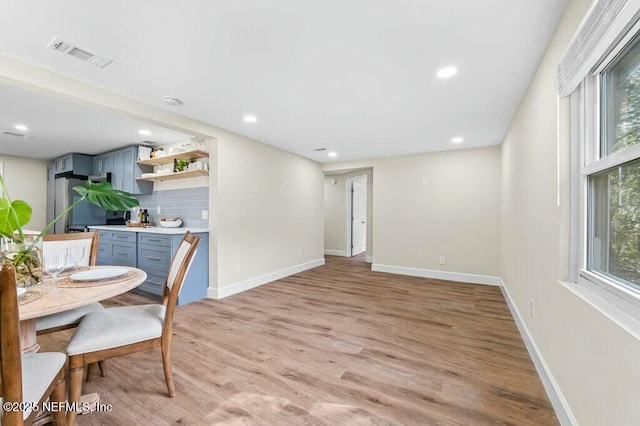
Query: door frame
{"points": [[348, 184]]}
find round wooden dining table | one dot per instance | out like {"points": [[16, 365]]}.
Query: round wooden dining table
{"points": [[39, 300]]}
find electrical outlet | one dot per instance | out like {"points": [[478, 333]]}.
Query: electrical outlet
{"points": [[531, 308], [443, 260], [298, 255], [238, 269], [313, 215], [158, 210], [425, 181], [205, 214]]}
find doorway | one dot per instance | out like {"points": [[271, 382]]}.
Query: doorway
{"points": [[356, 215]]}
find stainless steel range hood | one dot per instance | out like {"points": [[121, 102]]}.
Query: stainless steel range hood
{"points": [[104, 177]]}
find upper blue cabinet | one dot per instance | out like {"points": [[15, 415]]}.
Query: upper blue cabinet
{"points": [[124, 170], [73, 164]]}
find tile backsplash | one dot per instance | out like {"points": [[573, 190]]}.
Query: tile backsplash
{"points": [[185, 203]]}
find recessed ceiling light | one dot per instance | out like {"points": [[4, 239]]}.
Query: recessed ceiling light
{"points": [[144, 132], [21, 127], [168, 100], [447, 72], [457, 139], [250, 118], [333, 154]]}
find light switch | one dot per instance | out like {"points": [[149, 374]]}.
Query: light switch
{"points": [[205, 214]]}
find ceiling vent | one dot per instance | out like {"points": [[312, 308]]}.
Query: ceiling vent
{"points": [[168, 100], [66, 47], [16, 134]]}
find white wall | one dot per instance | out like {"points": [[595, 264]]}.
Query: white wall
{"points": [[26, 179], [455, 213], [334, 215], [594, 362], [269, 211]]}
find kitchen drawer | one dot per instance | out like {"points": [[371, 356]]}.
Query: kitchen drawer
{"points": [[154, 239], [123, 237], [104, 235], [104, 253], [154, 257], [123, 254], [154, 283]]}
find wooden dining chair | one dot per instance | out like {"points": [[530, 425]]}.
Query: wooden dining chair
{"points": [[118, 331], [26, 379], [57, 243]]}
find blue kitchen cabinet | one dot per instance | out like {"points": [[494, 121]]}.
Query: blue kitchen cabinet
{"points": [[126, 171], [117, 248], [155, 252], [74, 164], [152, 252], [103, 164]]}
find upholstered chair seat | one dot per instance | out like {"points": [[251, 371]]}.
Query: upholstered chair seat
{"points": [[38, 371], [66, 318], [115, 327]]}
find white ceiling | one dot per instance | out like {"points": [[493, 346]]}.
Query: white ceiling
{"points": [[56, 127], [353, 76]]}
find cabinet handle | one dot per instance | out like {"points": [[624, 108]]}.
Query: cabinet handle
{"points": [[154, 258], [153, 282], [124, 253], [121, 236], [154, 239]]}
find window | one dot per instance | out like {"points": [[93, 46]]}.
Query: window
{"points": [[600, 69], [611, 171]]}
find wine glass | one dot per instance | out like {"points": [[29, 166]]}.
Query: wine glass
{"points": [[75, 254], [53, 265]]}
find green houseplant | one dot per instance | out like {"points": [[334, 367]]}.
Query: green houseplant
{"points": [[21, 249]]}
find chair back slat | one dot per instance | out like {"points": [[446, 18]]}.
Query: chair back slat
{"points": [[180, 265], [178, 259], [57, 243], [10, 353]]}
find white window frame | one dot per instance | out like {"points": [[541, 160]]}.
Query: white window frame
{"points": [[619, 302]]}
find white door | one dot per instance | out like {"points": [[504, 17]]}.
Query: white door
{"points": [[358, 216]]}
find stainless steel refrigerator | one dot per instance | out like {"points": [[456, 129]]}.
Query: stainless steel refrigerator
{"points": [[60, 195]]}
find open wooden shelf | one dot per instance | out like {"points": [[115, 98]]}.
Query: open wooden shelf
{"points": [[167, 159], [175, 175]]}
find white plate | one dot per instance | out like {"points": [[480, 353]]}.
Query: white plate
{"points": [[98, 274], [21, 291]]}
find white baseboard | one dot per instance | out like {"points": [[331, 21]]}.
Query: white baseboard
{"points": [[368, 259], [560, 404], [439, 275], [239, 287], [335, 253]]}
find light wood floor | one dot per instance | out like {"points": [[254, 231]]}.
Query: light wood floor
{"points": [[337, 345]]}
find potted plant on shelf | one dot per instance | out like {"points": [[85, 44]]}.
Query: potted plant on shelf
{"points": [[24, 250]]}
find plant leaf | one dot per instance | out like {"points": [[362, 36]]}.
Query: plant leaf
{"points": [[13, 216], [106, 196]]}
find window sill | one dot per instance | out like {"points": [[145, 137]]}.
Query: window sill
{"points": [[619, 306]]}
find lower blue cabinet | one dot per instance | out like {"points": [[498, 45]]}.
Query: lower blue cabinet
{"points": [[153, 253]]}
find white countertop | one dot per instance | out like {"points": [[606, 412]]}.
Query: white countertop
{"points": [[150, 230]]}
